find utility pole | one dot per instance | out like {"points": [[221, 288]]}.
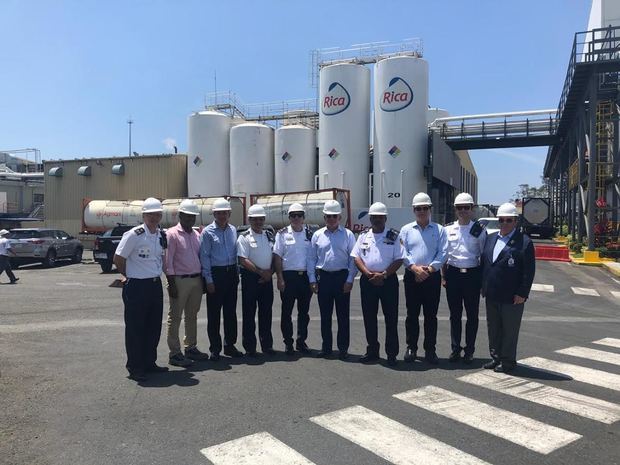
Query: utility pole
{"points": [[129, 123]]}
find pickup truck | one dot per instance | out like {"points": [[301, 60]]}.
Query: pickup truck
{"points": [[105, 246]]}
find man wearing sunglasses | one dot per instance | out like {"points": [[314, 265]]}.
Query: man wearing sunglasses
{"points": [[508, 266], [289, 260], [462, 276], [331, 271], [425, 252]]}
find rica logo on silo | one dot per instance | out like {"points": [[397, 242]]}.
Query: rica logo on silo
{"points": [[336, 100], [397, 96]]}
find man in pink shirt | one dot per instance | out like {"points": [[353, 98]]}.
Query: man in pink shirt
{"points": [[182, 268]]}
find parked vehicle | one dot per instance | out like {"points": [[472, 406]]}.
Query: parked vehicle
{"points": [[42, 245], [106, 244]]}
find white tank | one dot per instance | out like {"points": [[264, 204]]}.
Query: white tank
{"points": [[433, 113], [100, 215], [251, 159], [401, 130], [344, 130], [295, 158], [208, 163]]}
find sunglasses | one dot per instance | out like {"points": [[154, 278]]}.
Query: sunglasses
{"points": [[296, 215], [463, 207], [422, 209], [331, 216], [505, 220]]}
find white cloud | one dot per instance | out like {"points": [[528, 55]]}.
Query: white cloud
{"points": [[170, 143]]}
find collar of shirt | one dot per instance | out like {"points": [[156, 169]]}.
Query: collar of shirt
{"points": [[507, 237], [340, 228], [429, 225]]}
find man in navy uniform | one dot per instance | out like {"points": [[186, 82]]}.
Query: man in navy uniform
{"points": [[508, 265]]}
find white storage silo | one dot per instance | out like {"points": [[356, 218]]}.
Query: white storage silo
{"points": [[344, 130], [433, 113], [294, 158], [401, 130], [208, 165], [251, 159]]}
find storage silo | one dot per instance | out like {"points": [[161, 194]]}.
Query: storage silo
{"points": [[208, 165], [344, 130], [401, 129], [294, 158], [251, 159], [433, 113]]}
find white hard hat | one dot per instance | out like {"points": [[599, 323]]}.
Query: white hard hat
{"points": [[296, 207], [3, 232], [378, 208], [507, 209], [152, 205], [463, 199], [220, 205], [332, 207], [189, 207], [421, 198], [256, 211]]}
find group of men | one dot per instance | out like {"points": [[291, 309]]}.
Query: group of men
{"points": [[462, 257]]}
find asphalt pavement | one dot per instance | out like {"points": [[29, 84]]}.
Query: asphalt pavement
{"points": [[65, 398]]}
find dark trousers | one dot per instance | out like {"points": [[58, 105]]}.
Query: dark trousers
{"points": [[463, 289], [254, 293], [5, 265], [330, 293], [297, 288], [503, 323], [223, 300], [423, 295], [144, 307], [388, 296]]}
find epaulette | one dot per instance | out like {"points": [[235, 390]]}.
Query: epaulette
{"points": [[309, 232], [392, 234], [163, 239], [246, 233], [283, 230], [270, 236], [139, 231], [476, 229]]}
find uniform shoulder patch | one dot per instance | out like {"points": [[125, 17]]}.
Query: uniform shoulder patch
{"points": [[270, 236], [282, 231], [392, 235], [246, 233], [139, 231], [476, 229]]}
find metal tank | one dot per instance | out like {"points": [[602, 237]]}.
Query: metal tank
{"points": [[433, 113], [100, 215], [294, 158], [401, 129], [344, 130], [251, 159], [208, 165]]}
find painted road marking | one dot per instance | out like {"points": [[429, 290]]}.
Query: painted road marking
{"points": [[524, 431], [55, 325], [591, 354], [390, 439], [543, 287], [609, 341], [581, 374], [585, 406], [616, 294], [256, 449], [585, 291]]}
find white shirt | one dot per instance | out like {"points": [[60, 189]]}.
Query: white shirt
{"points": [[502, 241], [5, 245], [292, 247], [143, 252], [377, 251], [255, 247], [463, 249]]}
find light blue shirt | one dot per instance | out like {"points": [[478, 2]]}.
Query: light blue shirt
{"points": [[331, 251], [424, 247], [501, 243], [218, 247]]}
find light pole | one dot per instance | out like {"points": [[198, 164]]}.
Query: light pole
{"points": [[129, 123]]}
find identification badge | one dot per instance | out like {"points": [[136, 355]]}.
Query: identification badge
{"points": [[511, 262], [253, 244], [144, 252], [289, 239], [365, 246]]}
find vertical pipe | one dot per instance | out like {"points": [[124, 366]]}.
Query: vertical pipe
{"points": [[593, 156]]}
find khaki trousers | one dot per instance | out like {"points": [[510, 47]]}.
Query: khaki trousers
{"points": [[187, 302]]}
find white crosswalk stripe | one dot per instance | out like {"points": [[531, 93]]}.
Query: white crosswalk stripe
{"points": [[560, 399], [524, 431], [609, 341], [256, 449], [616, 294], [543, 287], [578, 373], [585, 291], [390, 439], [591, 354]]}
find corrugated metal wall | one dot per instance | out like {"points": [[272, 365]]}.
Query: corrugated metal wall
{"points": [[145, 176]]}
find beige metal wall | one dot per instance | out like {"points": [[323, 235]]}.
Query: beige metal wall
{"points": [[162, 176]]}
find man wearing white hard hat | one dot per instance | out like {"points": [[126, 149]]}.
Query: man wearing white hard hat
{"points": [[289, 260], [183, 271], [425, 248], [378, 255], [331, 271], [5, 251], [254, 249], [139, 259], [462, 276], [508, 265], [218, 257]]}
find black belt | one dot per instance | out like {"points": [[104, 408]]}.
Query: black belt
{"points": [[464, 270], [320, 271], [226, 268], [146, 280], [183, 276], [300, 273]]}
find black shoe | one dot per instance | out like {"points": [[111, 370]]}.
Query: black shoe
{"points": [[156, 369], [269, 351], [343, 355], [505, 368], [431, 357], [491, 365], [369, 358], [289, 349], [196, 355], [324, 353], [251, 354], [137, 376], [232, 351], [455, 356], [215, 356], [302, 347], [410, 355], [391, 360], [468, 359], [13, 281]]}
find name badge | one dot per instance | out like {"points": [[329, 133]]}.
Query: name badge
{"points": [[365, 246], [289, 240], [144, 252], [511, 262], [253, 244]]}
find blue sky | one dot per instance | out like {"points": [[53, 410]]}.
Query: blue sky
{"points": [[73, 71]]}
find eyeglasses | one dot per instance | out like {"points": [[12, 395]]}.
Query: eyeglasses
{"points": [[329, 217], [463, 207], [505, 220], [422, 209], [296, 215]]}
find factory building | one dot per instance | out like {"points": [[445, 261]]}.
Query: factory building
{"points": [[21, 191]]}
